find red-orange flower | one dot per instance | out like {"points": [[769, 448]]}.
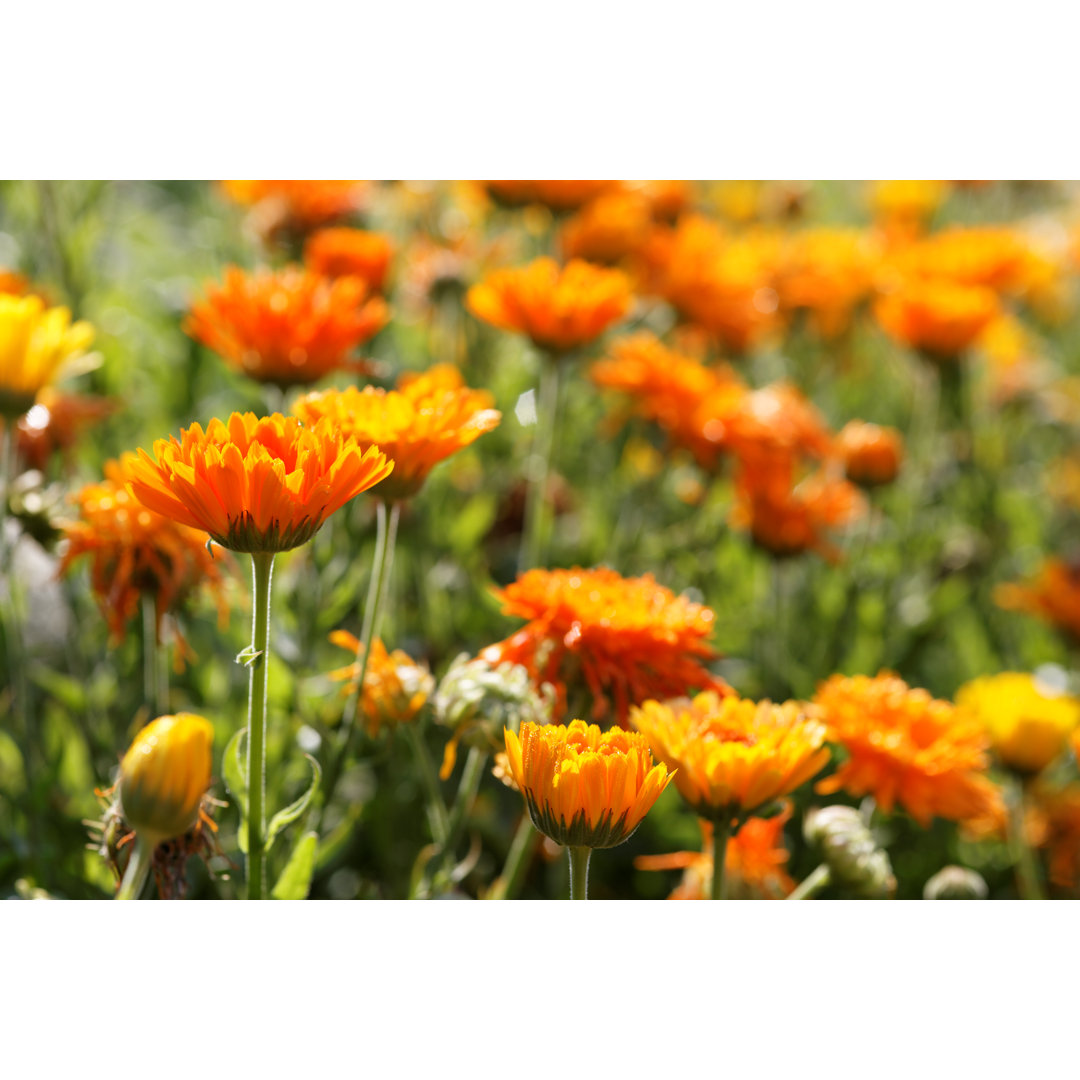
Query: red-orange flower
{"points": [[629, 638], [939, 317], [134, 551], [303, 204], [255, 484], [557, 195], [350, 252], [559, 308], [1053, 595], [608, 229], [287, 327], [871, 454], [905, 747], [428, 418]]}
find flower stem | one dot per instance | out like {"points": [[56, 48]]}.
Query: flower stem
{"points": [[262, 572], [138, 868], [1027, 867], [155, 671], [436, 808], [579, 872], [810, 886], [523, 845], [534, 534], [721, 833], [466, 796]]}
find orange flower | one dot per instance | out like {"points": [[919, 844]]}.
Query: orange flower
{"points": [[872, 454], [428, 418], [667, 198], [55, 422], [904, 206], [987, 257], [350, 252], [134, 551], [1053, 595], [559, 308], [778, 417], [302, 204], [906, 747], [254, 485], [584, 788], [14, 283], [1057, 827], [396, 687], [753, 863], [938, 317], [286, 327], [609, 228], [628, 637], [557, 195], [731, 756]]}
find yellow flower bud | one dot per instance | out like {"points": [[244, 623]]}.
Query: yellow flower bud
{"points": [[165, 774]]}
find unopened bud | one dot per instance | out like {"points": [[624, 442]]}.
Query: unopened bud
{"points": [[955, 883], [854, 859]]}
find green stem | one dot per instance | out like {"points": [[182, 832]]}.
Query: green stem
{"points": [[138, 868], [523, 845], [262, 572], [810, 886], [721, 834], [1027, 867], [436, 807], [155, 674], [579, 872], [466, 796], [534, 534]]}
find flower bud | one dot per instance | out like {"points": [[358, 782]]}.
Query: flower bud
{"points": [[855, 861], [165, 774], [872, 454], [955, 883]]}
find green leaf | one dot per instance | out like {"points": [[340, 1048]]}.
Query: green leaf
{"points": [[295, 809], [295, 880], [248, 655], [234, 769]]}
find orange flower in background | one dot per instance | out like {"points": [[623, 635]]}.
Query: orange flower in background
{"points": [[350, 253], [753, 864], [428, 418], [872, 454], [608, 229], [557, 195], [629, 638], [1012, 356], [905, 747], [134, 551], [731, 756], [254, 484], [777, 418], [903, 207], [667, 199], [55, 423], [558, 308], [301, 204], [13, 283], [989, 257], [584, 787], [287, 327], [1053, 595], [1055, 822], [396, 687], [938, 317]]}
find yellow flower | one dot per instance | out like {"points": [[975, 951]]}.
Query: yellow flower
{"points": [[733, 756], [36, 343], [584, 788], [1027, 726], [165, 774]]}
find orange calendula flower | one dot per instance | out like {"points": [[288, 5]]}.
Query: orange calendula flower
{"points": [[732, 756], [255, 484], [1053, 595], [301, 204], [629, 638], [584, 787], [134, 551], [287, 327], [557, 195], [343, 252], [396, 687], [989, 257], [428, 418], [905, 747], [938, 317], [872, 454], [558, 308], [904, 206], [608, 229], [1055, 822]]}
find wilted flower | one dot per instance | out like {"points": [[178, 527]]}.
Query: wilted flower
{"points": [[872, 454], [955, 883], [584, 788], [627, 637], [255, 484], [1053, 595], [1028, 726], [906, 747], [731, 756], [396, 687], [856, 862], [287, 327], [343, 252]]}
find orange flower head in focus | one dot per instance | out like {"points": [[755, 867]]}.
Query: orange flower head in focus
{"points": [[627, 638], [289, 327], [299, 204], [344, 252], [396, 687], [254, 484], [1053, 595], [905, 747], [557, 195], [584, 787], [872, 454], [731, 756], [609, 229], [55, 423], [939, 318], [134, 551], [428, 418], [558, 308]]}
